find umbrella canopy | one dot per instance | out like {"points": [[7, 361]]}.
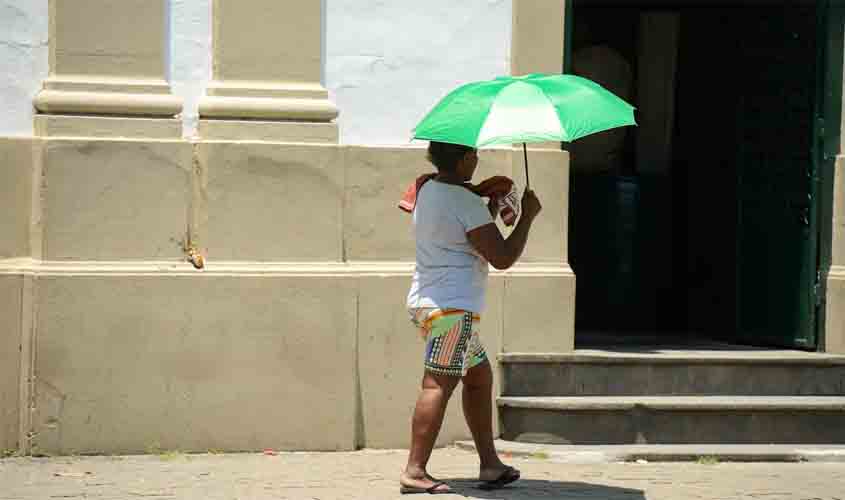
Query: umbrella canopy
{"points": [[530, 108]]}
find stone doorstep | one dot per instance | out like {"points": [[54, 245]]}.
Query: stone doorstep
{"points": [[689, 403], [705, 453], [677, 356], [601, 420]]}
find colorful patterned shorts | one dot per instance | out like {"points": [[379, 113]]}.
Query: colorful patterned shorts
{"points": [[452, 342]]}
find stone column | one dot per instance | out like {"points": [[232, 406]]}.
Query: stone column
{"points": [[267, 66], [107, 59], [833, 341], [537, 39], [539, 293]]}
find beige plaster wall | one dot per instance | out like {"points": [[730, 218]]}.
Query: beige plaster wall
{"points": [[115, 200], [273, 202], [130, 200], [390, 357], [15, 196], [131, 361], [539, 311], [374, 228], [295, 336], [139, 363], [11, 289], [548, 171]]}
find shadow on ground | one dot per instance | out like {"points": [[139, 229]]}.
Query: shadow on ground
{"points": [[525, 489]]}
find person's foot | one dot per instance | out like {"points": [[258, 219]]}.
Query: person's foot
{"points": [[421, 483], [497, 476]]}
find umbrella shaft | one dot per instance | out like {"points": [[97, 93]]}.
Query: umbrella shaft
{"points": [[525, 156]]}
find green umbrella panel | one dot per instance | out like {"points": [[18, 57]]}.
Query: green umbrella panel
{"points": [[524, 109]]}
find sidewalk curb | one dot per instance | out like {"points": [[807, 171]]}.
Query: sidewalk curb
{"points": [[597, 454]]}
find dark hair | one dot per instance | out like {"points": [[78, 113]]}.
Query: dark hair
{"points": [[445, 156]]}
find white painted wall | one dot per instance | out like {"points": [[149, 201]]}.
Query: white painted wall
{"points": [[190, 56], [387, 62], [23, 62]]}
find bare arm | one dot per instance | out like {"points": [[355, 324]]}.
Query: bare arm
{"points": [[502, 253]]}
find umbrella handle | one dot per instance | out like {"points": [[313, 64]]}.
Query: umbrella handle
{"points": [[525, 155]]}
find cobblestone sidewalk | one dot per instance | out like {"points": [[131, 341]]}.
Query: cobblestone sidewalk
{"points": [[373, 474]]}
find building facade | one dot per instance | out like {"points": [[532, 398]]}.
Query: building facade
{"points": [[293, 334], [199, 242]]}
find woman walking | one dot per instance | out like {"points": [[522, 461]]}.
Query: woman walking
{"points": [[456, 238]]}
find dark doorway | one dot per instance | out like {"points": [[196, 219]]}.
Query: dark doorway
{"points": [[702, 223]]}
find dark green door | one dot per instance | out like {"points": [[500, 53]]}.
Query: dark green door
{"points": [[828, 136], [777, 135]]}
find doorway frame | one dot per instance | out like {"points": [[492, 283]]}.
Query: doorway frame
{"points": [[827, 119], [829, 83]]}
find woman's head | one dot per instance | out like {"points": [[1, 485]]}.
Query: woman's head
{"points": [[453, 159]]}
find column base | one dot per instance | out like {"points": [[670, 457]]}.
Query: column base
{"points": [[834, 331], [538, 308], [291, 101], [103, 127], [268, 108], [107, 96], [268, 131]]}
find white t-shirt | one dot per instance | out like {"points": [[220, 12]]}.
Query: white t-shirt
{"points": [[449, 272]]}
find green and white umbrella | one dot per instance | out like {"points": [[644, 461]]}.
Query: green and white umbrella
{"points": [[526, 109]]}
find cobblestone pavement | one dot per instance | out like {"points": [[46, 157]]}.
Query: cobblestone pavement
{"points": [[373, 474]]}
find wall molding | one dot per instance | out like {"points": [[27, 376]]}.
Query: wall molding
{"points": [[35, 267]]}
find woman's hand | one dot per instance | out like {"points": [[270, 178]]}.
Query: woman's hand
{"points": [[493, 206], [530, 204]]}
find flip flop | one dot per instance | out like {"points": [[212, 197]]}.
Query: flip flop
{"points": [[507, 476], [431, 490]]}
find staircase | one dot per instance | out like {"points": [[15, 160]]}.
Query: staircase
{"points": [[686, 396]]}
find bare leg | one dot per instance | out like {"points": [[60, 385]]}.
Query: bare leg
{"points": [[477, 399], [428, 417]]}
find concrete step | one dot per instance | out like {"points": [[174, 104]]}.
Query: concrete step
{"points": [[685, 372], [702, 453], [674, 419]]}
